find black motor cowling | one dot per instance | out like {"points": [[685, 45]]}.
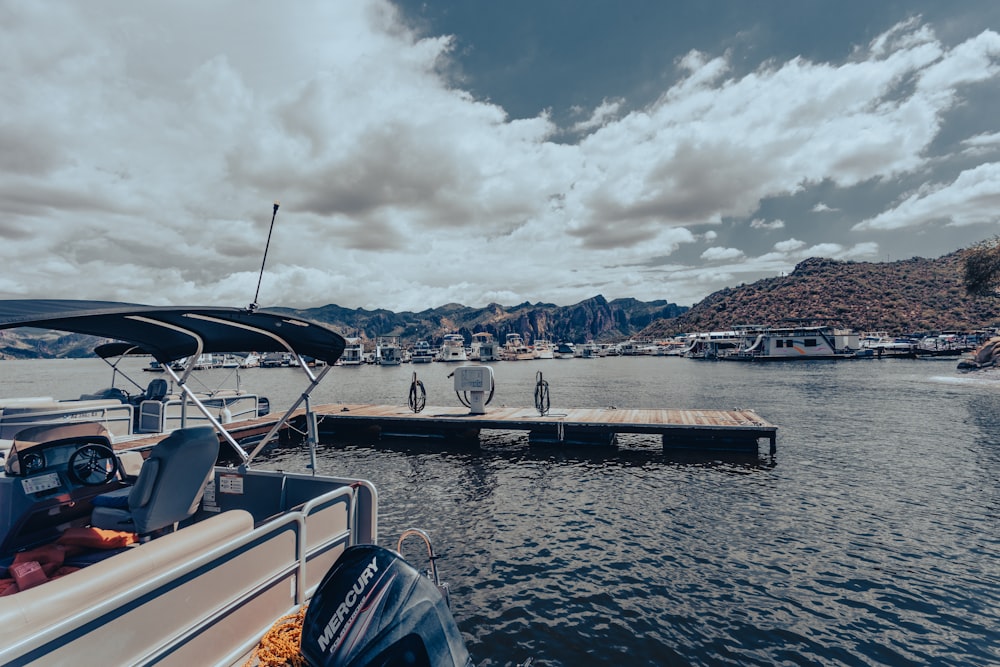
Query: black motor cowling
{"points": [[373, 608]]}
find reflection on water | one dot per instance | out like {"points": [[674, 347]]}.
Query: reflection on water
{"points": [[870, 538]]}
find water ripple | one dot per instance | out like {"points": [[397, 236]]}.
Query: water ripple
{"points": [[870, 539]]}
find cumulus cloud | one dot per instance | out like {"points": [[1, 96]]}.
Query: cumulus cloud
{"points": [[982, 143], [713, 147], [789, 245], [719, 254], [604, 113], [822, 208], [971, 199], [142, 145]]}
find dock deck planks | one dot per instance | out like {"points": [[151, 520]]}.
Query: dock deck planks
{"points": [[696, 426], [625, 419]]}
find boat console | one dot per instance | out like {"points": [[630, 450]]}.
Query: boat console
{"points": [[52, 476]]}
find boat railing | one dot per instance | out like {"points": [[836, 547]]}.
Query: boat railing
{"points": [[163, 416], [300, 518], [219, 570], [17, 415]]}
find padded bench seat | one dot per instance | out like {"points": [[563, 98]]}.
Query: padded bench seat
{"points": [[29, 611]]}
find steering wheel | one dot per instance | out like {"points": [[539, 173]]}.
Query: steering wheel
{"points": [[93, 464]]}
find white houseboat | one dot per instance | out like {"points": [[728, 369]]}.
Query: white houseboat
{"points": [[484, 347], [422, 353], [514, 348], [354, 353], [794, 343], [388, 352], [453, 348]]}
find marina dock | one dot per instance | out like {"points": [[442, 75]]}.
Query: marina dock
{"points": [[730, 430]]}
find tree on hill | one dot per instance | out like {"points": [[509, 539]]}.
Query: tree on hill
{"points": [[982, 268]]}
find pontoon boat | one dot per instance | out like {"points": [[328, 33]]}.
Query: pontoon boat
{"points": [[156, 408], [160, 555]]}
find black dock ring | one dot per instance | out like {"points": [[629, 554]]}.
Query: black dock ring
{"points": [[418, 395], [542, 402]]}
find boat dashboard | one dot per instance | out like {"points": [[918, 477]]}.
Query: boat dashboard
{"points": [[49, 485], [49, 466]]}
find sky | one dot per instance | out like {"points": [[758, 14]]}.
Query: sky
{"points": [[471, 152]]}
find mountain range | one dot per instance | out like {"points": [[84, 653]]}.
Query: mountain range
{"points": [[595, 318], [913, 295]]}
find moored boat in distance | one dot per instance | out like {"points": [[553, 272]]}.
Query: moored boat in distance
{"points": [[354, 353], [673, 347], [883, 345], [251, 360], [422, 353], [230, 361], [273, 360], [543, 349], [514, 349], [712, 344], [564, 350], [453, 348], [484, 347], [946, 345], [794, 343], [388, 352], [637, 347]]}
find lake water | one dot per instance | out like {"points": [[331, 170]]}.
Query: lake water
{"points": [[871, 538]]}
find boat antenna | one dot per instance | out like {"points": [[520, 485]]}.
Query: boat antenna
{"points": [[253, 305]]}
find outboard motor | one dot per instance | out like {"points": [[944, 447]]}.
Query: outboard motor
{"points": [[373, 608]]}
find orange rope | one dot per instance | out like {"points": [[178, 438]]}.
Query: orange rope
{"points": [[280, 645]]}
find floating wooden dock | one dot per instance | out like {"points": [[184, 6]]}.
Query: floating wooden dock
{"points": [[731, 430]]}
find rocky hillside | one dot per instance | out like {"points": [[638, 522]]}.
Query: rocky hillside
{"points": [[914, 295], [34, 344], [596, 318]]}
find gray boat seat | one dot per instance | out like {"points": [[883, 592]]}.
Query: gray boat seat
{"points": [[169, 487], [156, 390]]}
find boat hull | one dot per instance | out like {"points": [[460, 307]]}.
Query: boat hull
{"points": [[202, 595]]}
